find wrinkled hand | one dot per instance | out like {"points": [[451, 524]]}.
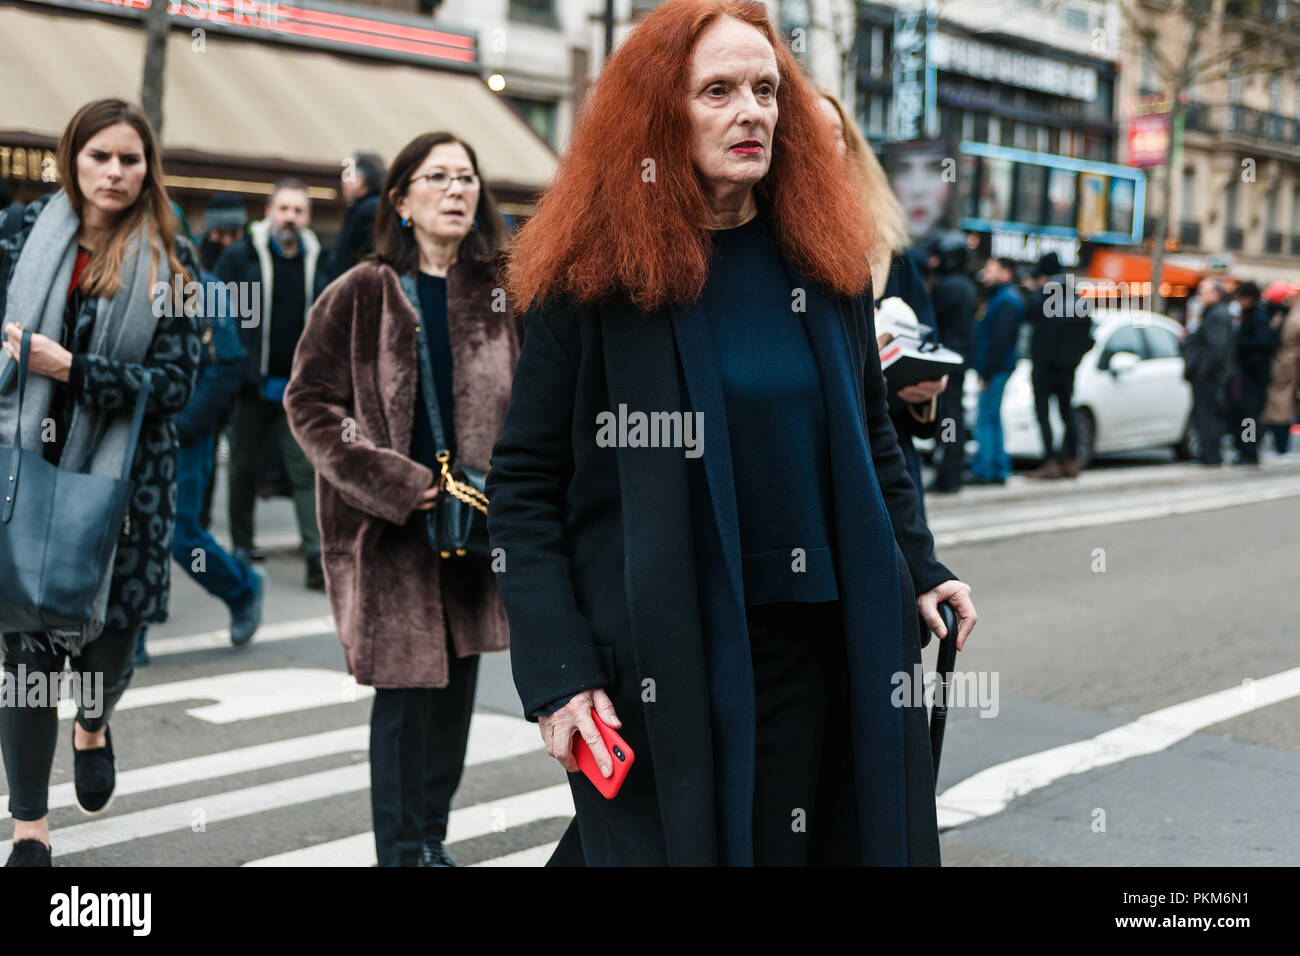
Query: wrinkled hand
{"points": [[956, 593], [47, 357], [575, 717], [923, 391]]}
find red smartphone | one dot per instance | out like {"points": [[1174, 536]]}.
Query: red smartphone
{"points": [[619, 752]]}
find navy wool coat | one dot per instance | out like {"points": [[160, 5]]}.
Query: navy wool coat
{"points": [[611, 579]]}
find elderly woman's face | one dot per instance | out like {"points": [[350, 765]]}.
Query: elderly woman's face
{"points": [[731, 100]]}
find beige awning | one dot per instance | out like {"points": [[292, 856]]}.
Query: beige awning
{"points": [[243, 98]]}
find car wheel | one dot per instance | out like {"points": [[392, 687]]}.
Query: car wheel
{"points": [[1189, 446], [1086, 429]]}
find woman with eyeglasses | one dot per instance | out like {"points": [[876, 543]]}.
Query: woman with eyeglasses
{"points": [[412, 623]]}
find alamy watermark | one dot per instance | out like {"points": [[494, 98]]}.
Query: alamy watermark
{"points": [[637, 429], [24, 688]]}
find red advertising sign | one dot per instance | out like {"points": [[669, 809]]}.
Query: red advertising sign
{"points": [[1148, 140]]}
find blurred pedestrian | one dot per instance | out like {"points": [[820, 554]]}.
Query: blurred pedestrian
{"points": [[1207, 365], [954, 296], [280, 259], [83, 264], [1280, 411], [708, 598], [1061, 324], [894, 272], [361, 182], [412, 624], [995, 337], [232, 581], [1254, 344], [224, 221]]}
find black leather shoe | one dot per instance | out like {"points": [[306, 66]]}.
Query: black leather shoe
{"points": [[29, 853], [94, 775], [433, 854]]}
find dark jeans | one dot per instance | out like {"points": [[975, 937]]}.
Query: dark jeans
{"points": [[28, 734], [222, 576], [1055, 382], [796, 651], [1207, 411], [950, 456], [1281, 438], [257, 422], [417, 754]]}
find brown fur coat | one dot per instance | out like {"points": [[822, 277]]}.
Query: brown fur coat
{"points": [[351, 405]]}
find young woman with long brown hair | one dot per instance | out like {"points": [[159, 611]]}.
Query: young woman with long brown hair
{"points": [[80, 272]]}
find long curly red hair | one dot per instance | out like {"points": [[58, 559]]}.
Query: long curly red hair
{"points": [[601, 229]]}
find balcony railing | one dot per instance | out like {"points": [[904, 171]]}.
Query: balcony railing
{"points": [[1273, 242], [1189, 234], [1241, 122], [1295, 244], [1236, 238]]}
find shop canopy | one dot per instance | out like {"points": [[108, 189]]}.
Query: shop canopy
{"points": [[241, 101], [1178, 276]]}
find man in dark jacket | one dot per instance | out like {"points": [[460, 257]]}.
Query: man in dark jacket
{"points": [[275, 267], [954, 297], [995, 359], [1207, 365], [236, 583], [362, 180], [1254, 342], [1062, 335]]}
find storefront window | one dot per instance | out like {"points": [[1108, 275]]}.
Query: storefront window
{"points": [[539, 114], [1060, 198], [1031, 182]]}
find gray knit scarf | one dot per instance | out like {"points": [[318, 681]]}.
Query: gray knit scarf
{"points": [[124, 328]]}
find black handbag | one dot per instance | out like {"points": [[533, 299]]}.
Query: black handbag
{"points": [[57, 528], [457, 523]]}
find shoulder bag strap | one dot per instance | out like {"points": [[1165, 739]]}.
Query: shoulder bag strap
{"points": [[427, 383]]}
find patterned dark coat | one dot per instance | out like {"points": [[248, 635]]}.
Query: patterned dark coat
{"points": [[141, 569]]}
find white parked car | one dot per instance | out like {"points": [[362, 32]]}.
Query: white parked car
{"points": [[1129, 393]]}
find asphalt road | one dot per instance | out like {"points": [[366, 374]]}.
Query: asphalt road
{"points": [[1136, 665]]}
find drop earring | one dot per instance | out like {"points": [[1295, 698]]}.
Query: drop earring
{"points": [[406, 223]]}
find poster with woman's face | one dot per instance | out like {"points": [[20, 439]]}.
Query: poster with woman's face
{"points": [[1121, 206], [1094, 194], [923, 174]]}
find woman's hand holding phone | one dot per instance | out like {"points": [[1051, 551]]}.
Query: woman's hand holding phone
{"points": [[576, 717]]}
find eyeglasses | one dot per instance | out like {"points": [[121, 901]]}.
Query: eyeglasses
{"points": [[441, 180]]}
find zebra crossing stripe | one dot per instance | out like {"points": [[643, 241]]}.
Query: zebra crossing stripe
{"points": [[494, 816], [241, 695], [492, 737], [992, 789], [207, 640], [533, 856]]}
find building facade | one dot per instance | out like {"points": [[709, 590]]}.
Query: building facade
{"points": [[1235, 188]]}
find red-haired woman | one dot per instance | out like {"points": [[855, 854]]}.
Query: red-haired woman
{"points": [[79, 274], [698, 491]]}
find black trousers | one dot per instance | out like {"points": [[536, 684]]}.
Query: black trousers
{"points": [[1248, 405], [1207, 411], [1050, 381], [417, 754], [28, 734], [797, 652], [951, 455]]}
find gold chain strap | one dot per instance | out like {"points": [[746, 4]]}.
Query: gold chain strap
{"points": [[461, 491]]}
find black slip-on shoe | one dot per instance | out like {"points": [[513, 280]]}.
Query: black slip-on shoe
{"points": [[29, 853], [94, 775]]}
